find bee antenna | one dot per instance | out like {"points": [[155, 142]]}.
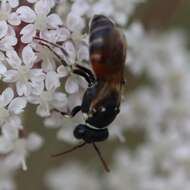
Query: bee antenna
{"points": [[53, 44], [70, 150], [101, 158], [57, 55]]}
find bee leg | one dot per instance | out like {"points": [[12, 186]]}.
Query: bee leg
{"points": [[88, 71], [84, 75], [82, 71], [73, 112]]}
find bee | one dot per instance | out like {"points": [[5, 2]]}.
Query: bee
{"points": [[101, 101]]}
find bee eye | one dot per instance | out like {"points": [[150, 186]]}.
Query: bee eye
{"points": [[79, 131]]}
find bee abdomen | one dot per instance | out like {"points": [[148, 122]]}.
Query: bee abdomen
{"points": [[100, 29], [100, 21]]}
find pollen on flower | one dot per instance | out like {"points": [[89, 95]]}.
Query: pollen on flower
{"points": [[23, 73], [41, 22], [3, 15], [4, 114]]}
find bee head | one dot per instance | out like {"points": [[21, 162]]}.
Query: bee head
{"points": [[80, 131], [90, 135]]}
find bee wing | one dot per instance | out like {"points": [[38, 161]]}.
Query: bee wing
{"points": [[107, 50], [108, 95]]}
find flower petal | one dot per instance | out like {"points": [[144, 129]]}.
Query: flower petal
{"points": [[3, 69], [2, 56], [13, 59], [5, 145], [34, 141], [83, 53], [54, 21], [37, 87], [28, 56], [14, 19], [62, 71], [75, 22], [32, 1], [43, 110], [26, 14], [37, 75], [10, 131], [28, 33], [60, 34], [34, 99], [59, 100], [42, 7], [70, 49], [6, 96], [29, 28], [10, 76], [71, 85], [7, 42], [17, 105], [23, 88], [52, 80], [3, 28], [13, 3]]}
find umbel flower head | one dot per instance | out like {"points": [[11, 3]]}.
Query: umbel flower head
{"points": [[31, 70], [33, 40], [25, 74]]}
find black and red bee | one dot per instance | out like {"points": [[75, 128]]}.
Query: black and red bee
{"points": [[101, 101]]}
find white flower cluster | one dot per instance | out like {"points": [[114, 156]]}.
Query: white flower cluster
{"points": [[31, 71], [35, 47], [161, 163], [37, 52], [74, 177], [119, 10], [166, 93], [159, 105]]}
